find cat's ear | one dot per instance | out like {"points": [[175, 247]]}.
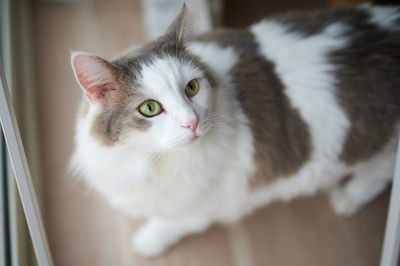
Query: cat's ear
{"points": [[180, 26], [95, 75]]}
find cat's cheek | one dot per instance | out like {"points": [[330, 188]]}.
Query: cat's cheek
{"points": [[177, 138], [202, 128], [160, 137]]}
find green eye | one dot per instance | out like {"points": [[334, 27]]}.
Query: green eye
{"points": [[192, 88], [150, 108]]}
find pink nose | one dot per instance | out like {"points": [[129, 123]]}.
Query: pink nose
{"points": [[192, 125]]}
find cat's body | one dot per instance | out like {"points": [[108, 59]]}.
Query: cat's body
{"points": [[285, 108]]}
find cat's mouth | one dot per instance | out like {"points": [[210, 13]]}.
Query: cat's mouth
{"points": [[190, 140], [195, 137]]}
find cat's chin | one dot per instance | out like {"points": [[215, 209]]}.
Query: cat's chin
{"points": [[191, 140], [185, 142]]}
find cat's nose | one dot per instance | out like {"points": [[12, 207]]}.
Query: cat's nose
{"points": [[192, 124]]}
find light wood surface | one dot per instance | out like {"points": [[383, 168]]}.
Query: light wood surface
{"points": [[83, 230]]}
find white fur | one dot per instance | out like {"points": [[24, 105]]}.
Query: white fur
{"points": [[220, 59], [195, 182], [183, 187], [384, 16]]}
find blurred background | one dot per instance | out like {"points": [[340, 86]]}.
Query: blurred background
{"points": [[36, 40]]}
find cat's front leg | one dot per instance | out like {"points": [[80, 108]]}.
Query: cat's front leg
{"points": [[158, 234]]}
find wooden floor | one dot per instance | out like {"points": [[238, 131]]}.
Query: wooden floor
{"points": [[83, 230]]}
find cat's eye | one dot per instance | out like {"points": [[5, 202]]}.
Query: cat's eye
{"points": [[192, 88], [150, 108]]}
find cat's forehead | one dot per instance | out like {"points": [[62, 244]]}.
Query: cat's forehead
{"points": [[168, 74], [162, 64], [164, 47]]}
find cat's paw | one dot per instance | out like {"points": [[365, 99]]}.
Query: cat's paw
{"points": [[148, 242], [342, 203]]}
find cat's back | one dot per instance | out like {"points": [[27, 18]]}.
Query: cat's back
{"points": [[353, 52], [353, 22], [322, 84]]}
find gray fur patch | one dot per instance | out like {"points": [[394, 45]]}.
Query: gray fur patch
{"points": [[314, 22], [282, 139], [119, 116], [368, 75]]}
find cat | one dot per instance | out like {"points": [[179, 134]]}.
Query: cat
{"points": [[189, 130]]}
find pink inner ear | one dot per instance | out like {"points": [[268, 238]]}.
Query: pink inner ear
{"points": [[95, 76], [95, 93]]}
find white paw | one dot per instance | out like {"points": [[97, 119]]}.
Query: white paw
{"points": [[148, 242], [342, 203]]}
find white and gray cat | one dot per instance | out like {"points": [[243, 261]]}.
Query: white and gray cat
{"points": [[192, 130]]}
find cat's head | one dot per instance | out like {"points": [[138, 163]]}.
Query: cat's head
{"points": [[159, 96]]}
